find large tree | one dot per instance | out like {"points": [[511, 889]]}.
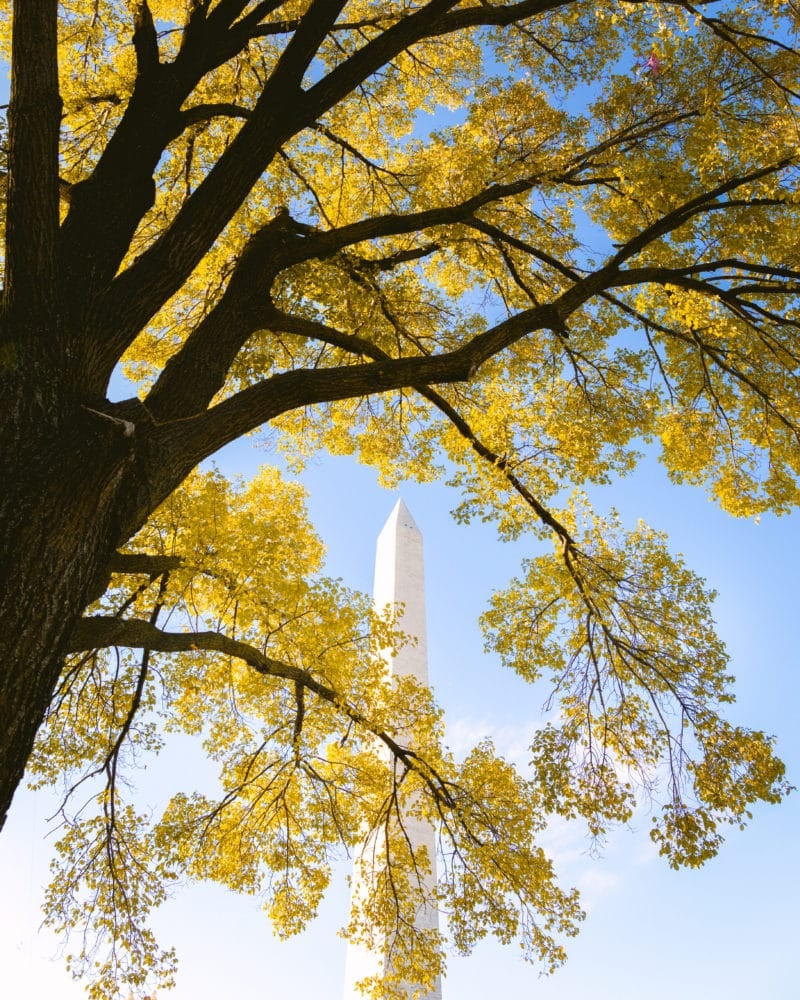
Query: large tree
{"points": [[510, 243]]}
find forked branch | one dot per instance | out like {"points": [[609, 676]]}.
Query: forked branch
{"points": [[103, 631]]}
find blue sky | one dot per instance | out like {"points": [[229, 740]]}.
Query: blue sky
{"points": [[726, 930]]}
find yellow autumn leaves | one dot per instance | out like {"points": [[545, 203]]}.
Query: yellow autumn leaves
{"points": [[658, 217]]}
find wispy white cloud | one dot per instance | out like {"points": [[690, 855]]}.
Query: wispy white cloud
{"points": [[596, 882], [512, 741], [596, 870]]}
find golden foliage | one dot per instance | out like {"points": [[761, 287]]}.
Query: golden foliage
{"points": [[598, 258]]}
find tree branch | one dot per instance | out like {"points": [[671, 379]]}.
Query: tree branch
{"points": [[248, 409], [133, 306], [184, 442], [281, 111], [144, 563], [199, 368], [432, 20], [107, 207], [198, 114], [188, 441], [145, 40], [326, 334], [707, 201], [193, 376], [102, 631]]}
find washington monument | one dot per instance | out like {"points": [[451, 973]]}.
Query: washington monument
{"points": [[399, 582]]}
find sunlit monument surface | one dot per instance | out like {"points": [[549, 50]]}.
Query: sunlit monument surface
{"points": [[399, 581]]}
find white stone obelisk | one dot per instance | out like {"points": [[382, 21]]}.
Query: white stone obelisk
{"points": [[399, 583]]}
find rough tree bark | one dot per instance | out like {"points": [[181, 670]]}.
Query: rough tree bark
{"points": [[57, 532], [37, 573]]}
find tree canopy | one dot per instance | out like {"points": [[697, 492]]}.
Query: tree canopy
{"points": [[507, 244]]}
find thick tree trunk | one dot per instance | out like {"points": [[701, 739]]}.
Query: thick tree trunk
{"points": [[61, 467]]}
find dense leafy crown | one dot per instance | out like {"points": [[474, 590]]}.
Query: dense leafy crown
{"points": [[508, 243]]}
